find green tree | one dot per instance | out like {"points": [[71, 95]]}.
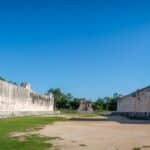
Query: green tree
{"points": [[98, 105], [111, 102], [74, 103], [2, 79], [67, 101], [62, 101]]}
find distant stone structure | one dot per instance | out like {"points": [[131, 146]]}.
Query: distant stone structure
{"points": [[21, 100], [26, 85], [85, 106], [136, 104]]}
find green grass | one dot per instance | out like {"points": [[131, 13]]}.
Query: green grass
{"points": [[30, 142], [82, 145], [80, 115], [137, 148]]}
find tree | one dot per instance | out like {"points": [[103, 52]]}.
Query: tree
{"points": [[67, 101], [98, 105], [58, 95], [64, 101], [75, 103], [2, 79], [111, 103]]}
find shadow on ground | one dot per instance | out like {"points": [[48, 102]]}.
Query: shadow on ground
{"points": [[119, 119]]}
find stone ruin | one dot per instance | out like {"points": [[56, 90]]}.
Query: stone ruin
{"points": [[85, 106], [26, 85], [22, 101]]}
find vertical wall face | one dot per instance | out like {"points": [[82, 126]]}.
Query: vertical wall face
{"points": [[127, 104], [136, 102], [14, 98]]}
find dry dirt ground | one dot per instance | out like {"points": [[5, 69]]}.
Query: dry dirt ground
{"points": [[99, 135]]}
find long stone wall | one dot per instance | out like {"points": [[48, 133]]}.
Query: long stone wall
{"points": [[136, 104], [20, 101], [138, 101]]}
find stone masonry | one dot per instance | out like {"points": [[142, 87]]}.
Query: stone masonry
{"points": [[19, 101]]}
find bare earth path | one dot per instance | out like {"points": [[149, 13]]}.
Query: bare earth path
{"points": [[98, 135]]}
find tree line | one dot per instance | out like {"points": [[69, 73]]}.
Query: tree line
{"points": [[68, 102]]}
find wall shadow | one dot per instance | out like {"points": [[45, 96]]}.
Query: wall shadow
{"points": [[119, 119]]}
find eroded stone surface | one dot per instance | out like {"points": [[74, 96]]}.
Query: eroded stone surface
{"points": [[19, 101]]}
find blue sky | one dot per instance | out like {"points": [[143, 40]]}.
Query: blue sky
{"points": [[91, 48]]}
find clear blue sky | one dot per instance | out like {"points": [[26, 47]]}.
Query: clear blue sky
{"points": [[91, 48]]}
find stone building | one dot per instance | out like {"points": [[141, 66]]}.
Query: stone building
{"points": [[136, 103], [21, 100], [85, 106]]}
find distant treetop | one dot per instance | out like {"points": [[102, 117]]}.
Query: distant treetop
{"points": [[2, 79]]}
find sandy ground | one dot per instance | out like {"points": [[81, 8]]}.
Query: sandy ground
{"points": [[98, 135]]}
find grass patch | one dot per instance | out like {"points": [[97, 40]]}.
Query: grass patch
{"points": [[21, 124], [80, 115], [34, 142], [136, 148], [82, 145]]}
